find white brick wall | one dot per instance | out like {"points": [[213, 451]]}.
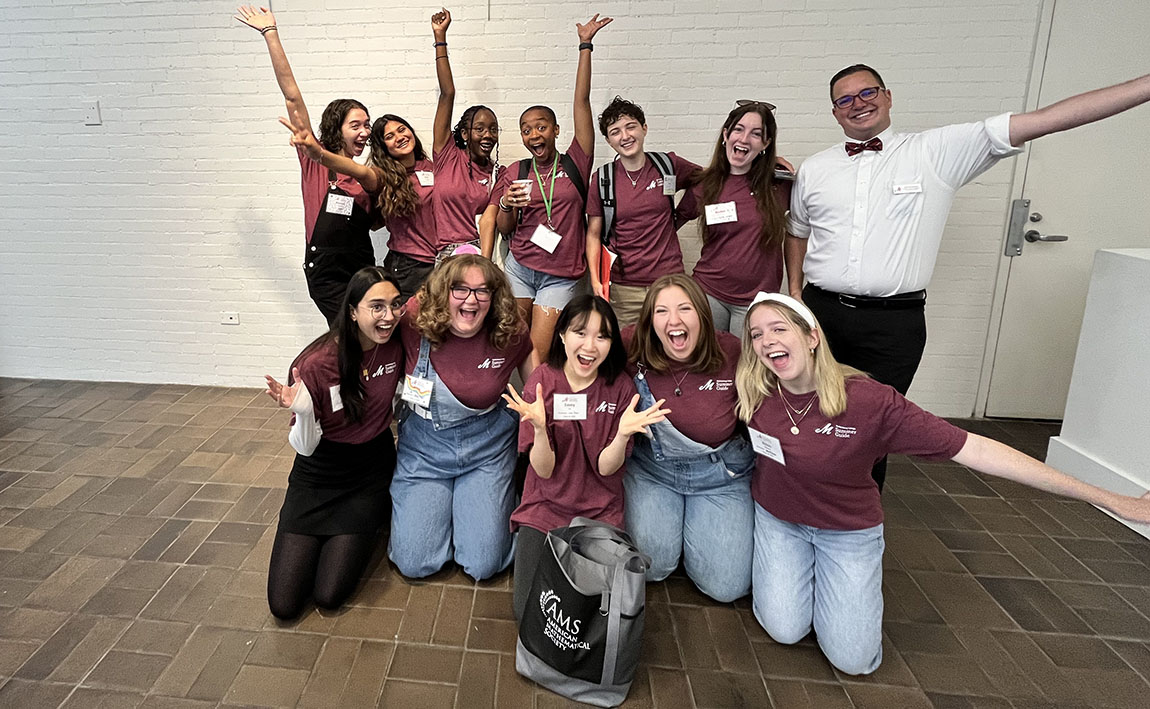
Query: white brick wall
{"points": [[123, 243]]}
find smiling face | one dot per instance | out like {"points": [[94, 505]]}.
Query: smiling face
{"points": [[376, 314], [469, 312], [398, 139], [481, 135], [539, 132], [586, 346], [784, 348], [626, 136], [745, 140], [676, 323], [862, 120], [356, 129]]}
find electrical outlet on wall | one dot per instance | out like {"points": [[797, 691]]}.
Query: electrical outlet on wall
{"points": [[229, 318], [92, 112]]}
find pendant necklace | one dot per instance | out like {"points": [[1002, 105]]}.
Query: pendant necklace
{"points": [[801, 414], [634, 180], [369, 365], [679, 381]]}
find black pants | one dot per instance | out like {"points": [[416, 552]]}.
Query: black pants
{"points": [[410, 272], [885, 343], [529, 549]]}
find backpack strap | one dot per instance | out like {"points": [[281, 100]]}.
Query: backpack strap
{"points": [[666, 169], [605, 178], [574, 175]]}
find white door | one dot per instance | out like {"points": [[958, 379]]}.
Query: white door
{"points": [[1091, 184]]}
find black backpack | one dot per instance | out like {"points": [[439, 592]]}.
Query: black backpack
{"points": [[605, 176]]}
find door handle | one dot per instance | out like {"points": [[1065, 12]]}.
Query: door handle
{"points": [[1033, 235]]}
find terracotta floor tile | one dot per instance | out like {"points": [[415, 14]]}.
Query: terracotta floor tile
{"points": [[426, 663], [398, 693], [478, 678], [795, 694], [726, 690], [256, 685]]}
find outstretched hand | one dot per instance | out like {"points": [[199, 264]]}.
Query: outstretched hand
{"points": [[257, 18], [440, 21], [302, 137], [632, 421], [533, 412], [284, 395], [587, 31], [1134, 509]]}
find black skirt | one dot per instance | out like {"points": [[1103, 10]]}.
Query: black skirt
{"points": [[341, 488]]}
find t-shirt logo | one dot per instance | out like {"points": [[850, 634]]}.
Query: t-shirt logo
{"points": [[655, 184], [716, 385], [605, 407], [560, 174], [483, 181], [389, 368], [492, 363], [837, 431]]}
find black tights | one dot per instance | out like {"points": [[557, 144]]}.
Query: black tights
{"points": [[326, 569]]}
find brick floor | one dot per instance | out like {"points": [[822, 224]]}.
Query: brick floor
{"points": [[136, 522]]}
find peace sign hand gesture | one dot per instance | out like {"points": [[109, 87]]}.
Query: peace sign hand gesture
{"points": [[587, 32], [302, 137], [534, 412]]}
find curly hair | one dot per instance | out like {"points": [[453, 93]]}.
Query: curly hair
{"points": [[397, 196], [504, 324], [331, 123], [618, 108]]}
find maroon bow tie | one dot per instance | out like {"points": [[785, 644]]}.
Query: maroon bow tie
{"points": [[874, 144]]}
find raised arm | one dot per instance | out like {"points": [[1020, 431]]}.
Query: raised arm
{"points": [[994, 458], [262, 20], [441, 126], [1079, 110], [584, 120], [303, 138]]}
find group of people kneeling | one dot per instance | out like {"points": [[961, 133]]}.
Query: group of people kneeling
{"points": [[749, 462]]}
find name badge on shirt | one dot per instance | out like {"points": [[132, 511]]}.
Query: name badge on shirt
{"points": [[477, 218], [669, 186], [545, 239], [908, 189], [426, 178], [339, 204], [767, 445], [570, 407], [721, 213], [417, 390], [336, 399]]}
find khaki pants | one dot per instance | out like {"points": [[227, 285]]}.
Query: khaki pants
{"points": [[627, 302]]}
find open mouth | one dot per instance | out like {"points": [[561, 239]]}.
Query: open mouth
{"points": [[740, 150], [677, 338], [487, 145], [384, 330], [779, 358], [538, 149], [627, 144], [585, 361]]}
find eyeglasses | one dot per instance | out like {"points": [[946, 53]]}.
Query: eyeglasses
{"points": [[751, 102], [377, 309], [482, 294], [493, 131], [867, 94]]}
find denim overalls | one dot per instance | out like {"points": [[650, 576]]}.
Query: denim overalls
{"points": [[452, 483], [686, 498]]}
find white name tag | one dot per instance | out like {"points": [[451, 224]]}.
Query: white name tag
{"points": [[669, 185], [426, 178], [570, 407], [721, 213], [336, 399], [545, 239], [908, 189], [417, 390], [339, 204], [477, 218], [767, 445]]}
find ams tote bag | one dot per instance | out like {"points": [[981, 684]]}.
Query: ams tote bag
{"points": [[583, 626]]}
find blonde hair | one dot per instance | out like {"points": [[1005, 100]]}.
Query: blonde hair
{"points": [[755, 381], [503, 322]]}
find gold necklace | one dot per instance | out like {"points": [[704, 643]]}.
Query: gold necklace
{"points": [[801, 414], [374, 352]]}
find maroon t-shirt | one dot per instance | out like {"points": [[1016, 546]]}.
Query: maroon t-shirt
{"points": [[567, 217], [474, 371], [462, 191], [645, 239], [314, 182], [826, 482], [575, 488], [414, 235], [732, 266], [319, 371], [705, 411]]}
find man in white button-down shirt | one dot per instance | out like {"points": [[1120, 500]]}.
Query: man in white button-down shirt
{"points": [[867, 215]]}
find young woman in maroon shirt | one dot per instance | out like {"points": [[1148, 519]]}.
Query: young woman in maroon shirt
{"points": [[818, 427], [577, 416], [340, 392]]}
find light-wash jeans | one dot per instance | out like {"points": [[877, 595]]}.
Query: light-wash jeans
{"points": [[728, 317], [830, 580]]}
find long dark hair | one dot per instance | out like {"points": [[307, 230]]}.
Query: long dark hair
{"points": [[467, 120], [576, 315], [344, 336], [397, 196], [331, 122], [761, 176]]}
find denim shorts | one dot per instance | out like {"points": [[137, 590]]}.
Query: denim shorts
{"points": [[542, 288]]}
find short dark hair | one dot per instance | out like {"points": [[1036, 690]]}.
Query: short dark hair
{"points": [[545, 109], [618, 108], [575, 315], [331, 122], [853, 69]]}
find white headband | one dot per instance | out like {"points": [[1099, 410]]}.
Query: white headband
{"points": [[803, 311]]}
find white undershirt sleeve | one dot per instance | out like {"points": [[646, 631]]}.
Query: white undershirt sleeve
{"points": [[305, 431]]}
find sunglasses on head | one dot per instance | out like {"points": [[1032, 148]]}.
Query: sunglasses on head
{"points": [[751, 102]]}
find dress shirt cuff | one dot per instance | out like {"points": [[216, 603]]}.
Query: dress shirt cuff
{"points": [[998, 131], [797, 229]]}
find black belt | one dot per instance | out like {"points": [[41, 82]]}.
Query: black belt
{"points": [[901, 301]]}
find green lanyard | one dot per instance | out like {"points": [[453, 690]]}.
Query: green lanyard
{"points": [[548, 199]]}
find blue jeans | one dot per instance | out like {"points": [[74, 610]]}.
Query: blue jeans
{"points": [[453, 489], [827, 579], [696, 508], [728, 317], [543, 288]]}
